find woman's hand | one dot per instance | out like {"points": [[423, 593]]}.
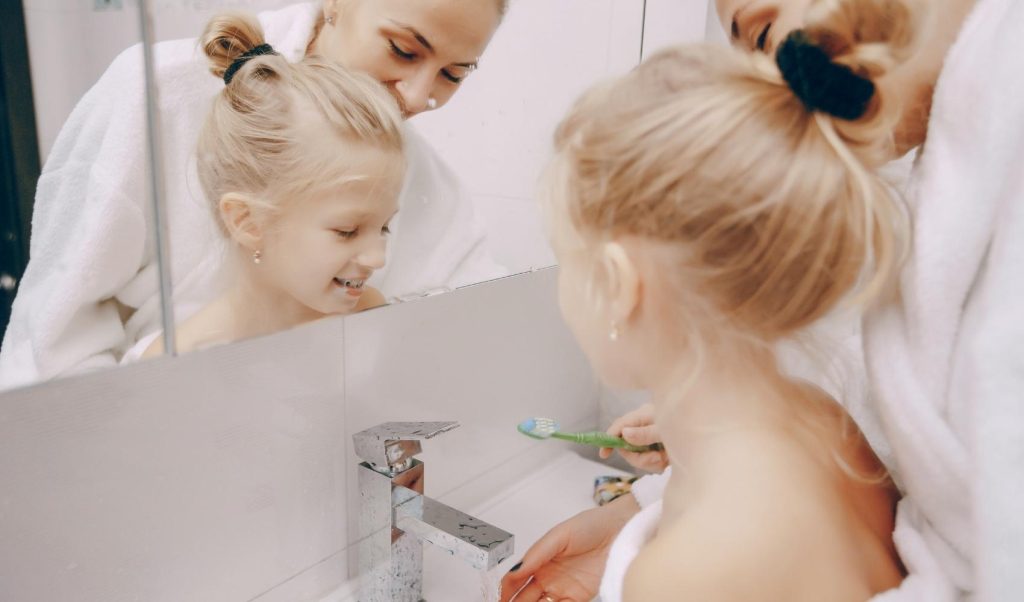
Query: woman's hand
{"points": [[568, 562], [637, 427]]}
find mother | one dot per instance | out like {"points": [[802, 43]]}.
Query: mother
{"points": [[90, 290], [944, 357]]}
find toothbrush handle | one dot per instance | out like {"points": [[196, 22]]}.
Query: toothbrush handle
{"points": [[599, 439]]}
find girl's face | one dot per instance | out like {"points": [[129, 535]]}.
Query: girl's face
{"points": [[320, 250], [420, 50]]}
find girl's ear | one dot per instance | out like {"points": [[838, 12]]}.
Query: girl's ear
{"points": [[236, 211], [624, 283]]}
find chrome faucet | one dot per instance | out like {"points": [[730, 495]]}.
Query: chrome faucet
{"points": [[395, 518]]}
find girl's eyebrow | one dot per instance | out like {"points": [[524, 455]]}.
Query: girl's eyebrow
{"points": [[358, 215]]}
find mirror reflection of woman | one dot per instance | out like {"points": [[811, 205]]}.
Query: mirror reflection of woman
{"points": [[90, 291], [303, 164]]}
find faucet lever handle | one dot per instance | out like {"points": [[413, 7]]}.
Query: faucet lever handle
{"points": [[392, 443]]}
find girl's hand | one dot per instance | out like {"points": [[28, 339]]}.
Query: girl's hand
{"points": [[638, 428], [568, 562]]}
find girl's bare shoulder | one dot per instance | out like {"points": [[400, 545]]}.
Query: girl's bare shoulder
{"points": [[771, 531]]}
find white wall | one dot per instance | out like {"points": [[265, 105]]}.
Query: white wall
{"points": [[714, 31], [670, 22], [497, 131], [227, 474]]}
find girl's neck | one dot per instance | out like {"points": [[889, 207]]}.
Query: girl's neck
{"points": [[255, 308], [702, 412]]}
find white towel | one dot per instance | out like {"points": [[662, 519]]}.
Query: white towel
{"points": [[627, 545], [947, 362], [90, 290]]}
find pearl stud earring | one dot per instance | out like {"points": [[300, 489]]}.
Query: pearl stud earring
{"points": [[431, 103], [257, 256]]}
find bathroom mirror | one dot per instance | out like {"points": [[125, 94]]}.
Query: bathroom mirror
{"points": [[474, 152], [489, 143]]}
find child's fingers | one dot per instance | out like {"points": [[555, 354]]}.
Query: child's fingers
{"points": [[651, 461], [642, 416], [641, 435]]}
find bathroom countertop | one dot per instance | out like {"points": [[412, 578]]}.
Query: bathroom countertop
{"points": [[527, 509]]}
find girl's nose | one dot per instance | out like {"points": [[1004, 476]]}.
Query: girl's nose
{"points": [[373, 256]]}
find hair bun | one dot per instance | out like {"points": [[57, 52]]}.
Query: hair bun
{"points": [[238, 63], [820, 83]]}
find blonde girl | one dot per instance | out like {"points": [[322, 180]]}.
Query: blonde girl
{"points": [[704, 208], [302, 165]]}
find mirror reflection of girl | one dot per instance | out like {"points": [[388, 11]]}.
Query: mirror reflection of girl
{"points": [[90, 290], [705, 208], [303, 164]]}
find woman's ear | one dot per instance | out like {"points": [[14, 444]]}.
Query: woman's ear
{"points": [[330, 8], [624, 283], [236, 212]]}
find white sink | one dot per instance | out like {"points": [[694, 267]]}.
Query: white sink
{"points": [[527, 509]]}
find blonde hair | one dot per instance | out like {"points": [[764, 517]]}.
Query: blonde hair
{"points": [[253, 140], [776, 208]]}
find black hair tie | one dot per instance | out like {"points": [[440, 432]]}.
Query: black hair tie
{"points": [[818, 82], [244, 58]]}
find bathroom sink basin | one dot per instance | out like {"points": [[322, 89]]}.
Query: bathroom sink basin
{"points": [[527, 509]]}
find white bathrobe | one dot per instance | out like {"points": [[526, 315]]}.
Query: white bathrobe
{"points": [[90, 290], [946, 363]]}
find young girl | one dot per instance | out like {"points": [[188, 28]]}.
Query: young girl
{"points": [[302, 163], [704, 208]]}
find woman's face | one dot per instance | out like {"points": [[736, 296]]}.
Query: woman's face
{"points": [[422, 50], [319, 251], [761, 25]]}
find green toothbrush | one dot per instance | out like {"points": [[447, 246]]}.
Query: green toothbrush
{"points": [[544, 428]]}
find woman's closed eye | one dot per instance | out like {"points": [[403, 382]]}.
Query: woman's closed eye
{"points": [[762, 39], [451, 77], [756, 40], [401, 52], [409, 56]]}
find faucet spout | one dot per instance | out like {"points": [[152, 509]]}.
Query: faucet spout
{"points": [[395, 518], [478, 543]]}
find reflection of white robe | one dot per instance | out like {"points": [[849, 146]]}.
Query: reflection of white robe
{"points": [[90, 290]]}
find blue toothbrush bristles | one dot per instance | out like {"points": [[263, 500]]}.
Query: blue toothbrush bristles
{"points": [[538, 428]]}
